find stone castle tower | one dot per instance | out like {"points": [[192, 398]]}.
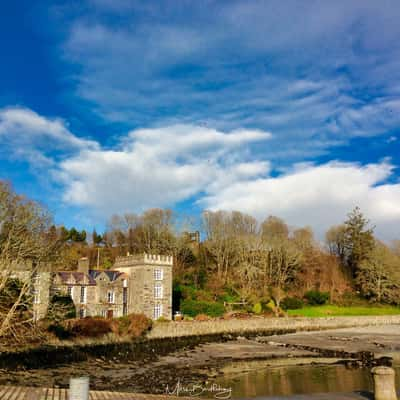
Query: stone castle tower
{"points": [[149, 284]]}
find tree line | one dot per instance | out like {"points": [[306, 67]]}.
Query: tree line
{"points": [[237, 258]]}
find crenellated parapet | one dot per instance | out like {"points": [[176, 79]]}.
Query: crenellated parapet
{"points": [[143, 259], [158, 259]]}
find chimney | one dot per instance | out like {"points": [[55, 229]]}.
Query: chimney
{"points": [[83, 265]]}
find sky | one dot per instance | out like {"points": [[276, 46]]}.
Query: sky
{"points": [[288, 108]]}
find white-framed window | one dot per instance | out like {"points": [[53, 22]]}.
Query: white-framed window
{"points": [[157, 311], [103, 313], [83, 296], [35, 288], [158, 291], [158, 274], [36, 296], [70, 290], [110, 297]]}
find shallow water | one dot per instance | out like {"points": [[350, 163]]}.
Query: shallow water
{"points": [[287, 381]]}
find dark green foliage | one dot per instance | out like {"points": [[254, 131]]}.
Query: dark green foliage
{"points": [[358, 240], [61, 307], [192, 308], [9, 294], [291, 303], [60, 331], [72, 235], [315, 297], [96, 238], [176, 297]]}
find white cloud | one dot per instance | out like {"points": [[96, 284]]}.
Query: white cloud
{"points": [[159, 167], [24, 133], [320, 195]]}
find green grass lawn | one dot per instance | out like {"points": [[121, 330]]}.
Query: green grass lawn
{"points": [[336, 311]]}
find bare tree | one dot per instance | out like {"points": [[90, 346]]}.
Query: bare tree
{"points": [[280, 263], [336, 240], [26, 241], [224, 231]]}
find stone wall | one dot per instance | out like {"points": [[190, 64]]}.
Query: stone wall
{"points": [[260, 324]]}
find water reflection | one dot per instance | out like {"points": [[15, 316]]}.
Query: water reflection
{"points": [[285, 381]]}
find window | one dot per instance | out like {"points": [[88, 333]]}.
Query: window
{"points": [[82, 313], [83, 294], [157, 311], [125, 295], [71, 291], [158, 291], [158, 274], [103, 313], [36, 296], [35, 288], [125, 301], [110, 297]]}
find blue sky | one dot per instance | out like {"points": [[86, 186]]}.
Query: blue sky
{"points": [[269, 107]]}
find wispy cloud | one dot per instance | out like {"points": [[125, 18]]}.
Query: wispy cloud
{"points": [[315, 71], [26, 134]]}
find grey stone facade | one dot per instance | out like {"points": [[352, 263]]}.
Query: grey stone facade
{"points": [[136, 284], [149, 284]]}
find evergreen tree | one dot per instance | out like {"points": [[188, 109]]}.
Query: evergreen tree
{"points": [[358, 240], [96, 238]]}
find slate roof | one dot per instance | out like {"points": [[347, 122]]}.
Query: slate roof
{"points": [[112, 275], [78, 277]]}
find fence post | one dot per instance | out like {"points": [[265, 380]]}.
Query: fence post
{"points": [[79, 388], [384, 383]]}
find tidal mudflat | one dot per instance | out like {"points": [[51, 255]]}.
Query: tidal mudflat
{"points": [[328, 361]]}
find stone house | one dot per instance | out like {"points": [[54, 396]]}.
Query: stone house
{"points": [[136, 284]]}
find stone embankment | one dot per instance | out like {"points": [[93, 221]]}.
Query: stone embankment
{"points": [[260, 325]]}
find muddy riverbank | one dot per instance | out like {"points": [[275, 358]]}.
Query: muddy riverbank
{"points": [[226, 360]]}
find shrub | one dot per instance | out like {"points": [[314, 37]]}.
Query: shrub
{"points": [[134, 325], [192, 308], [201, 317], [9, 295], [60, 331], [257, 308], [315, 297], [162, 319], [60, 308], [291, 303], [236, 315], [90, 327], [270, 305]]}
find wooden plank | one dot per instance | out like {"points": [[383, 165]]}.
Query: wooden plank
{"points": [[33, 393], [14, 393], [3, 390]]}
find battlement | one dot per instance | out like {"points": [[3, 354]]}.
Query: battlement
{"points": [[141, 259], [158, 259]]}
